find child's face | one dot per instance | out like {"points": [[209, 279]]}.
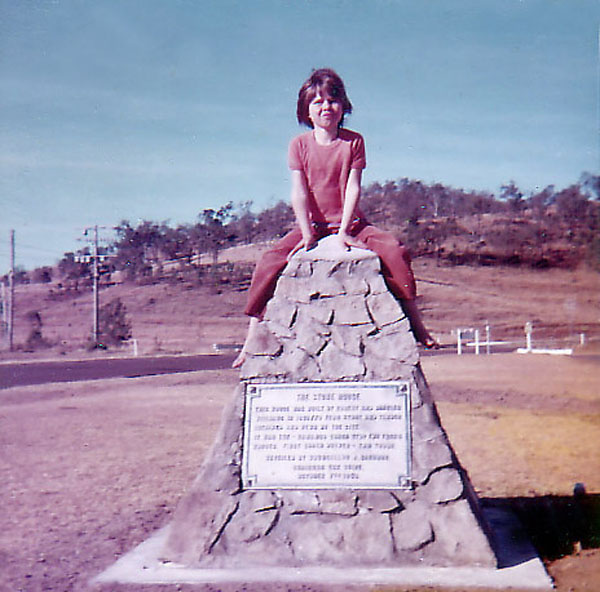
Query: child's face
{"points": [[325, 112]]}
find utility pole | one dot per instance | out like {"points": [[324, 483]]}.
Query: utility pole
{"points": [[11, 293], [95, 286], [4, 300], [96, 296]]}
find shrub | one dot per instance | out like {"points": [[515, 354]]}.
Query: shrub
{"points": [[115, 326], [35, 340]]}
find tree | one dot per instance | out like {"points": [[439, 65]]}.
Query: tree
{"points": [[42, 275], [243, 223], [212, 231], [275, 221], [591, 183], [539, 202], [513, 196], [137, 247], [572, 205], [68, 268]]}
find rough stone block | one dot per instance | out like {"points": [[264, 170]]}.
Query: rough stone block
{"points": [[376, 355], [398, 344], [418, 391], [411, 528], [442, 486], [301, 502], [342, 503], [289, 288], [264, 342], [335, 269], [205, 514], [281, 311], [261, 500], [324, 284], [357, 287], [298, 364], [367, 268], [428, 456], [336, 365], [308, 335], [282, 332], [348, 338], [384, 309], [298, 269], [426, 424], [351, 310], [259, 366], [320, 310], [370, 537], [247, 527], [385, 369], [379, 501], [226, 474], [459, 536], [377, 284], [335, 540]]}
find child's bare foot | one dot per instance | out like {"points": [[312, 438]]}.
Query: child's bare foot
{"points": [[241, 357], [418, 327], [430, 343]]}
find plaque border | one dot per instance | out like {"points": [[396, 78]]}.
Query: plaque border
{"points": [[253, 390]]}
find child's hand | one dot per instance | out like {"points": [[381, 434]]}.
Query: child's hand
{"points": [[307, 244], [346, 241]]}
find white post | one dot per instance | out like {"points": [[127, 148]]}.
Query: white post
{"points": [[528, 332], [135, 348], [459, 342], [487, 339], [476, 342]]}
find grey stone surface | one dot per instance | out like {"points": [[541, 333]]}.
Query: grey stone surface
{"points": [[384, 309], [379, 501], [412, 530], [450, 523], [442, 486], [332, 319], [144, 566], [335, 540]]}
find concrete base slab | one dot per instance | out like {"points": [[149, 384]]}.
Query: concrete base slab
{"points": [[520, 568]]}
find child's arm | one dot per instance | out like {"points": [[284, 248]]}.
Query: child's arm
{"points": [[351, 198], [299, 200]]}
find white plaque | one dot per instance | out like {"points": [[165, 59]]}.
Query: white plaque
{"points": [[327, 436]]}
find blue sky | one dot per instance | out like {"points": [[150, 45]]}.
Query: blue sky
{"points": [[157, 109]]}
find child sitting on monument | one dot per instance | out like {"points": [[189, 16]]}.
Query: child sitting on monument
{"points": [[326, 164]]}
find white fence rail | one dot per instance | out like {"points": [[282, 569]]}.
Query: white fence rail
{"points": [[481, 341]]}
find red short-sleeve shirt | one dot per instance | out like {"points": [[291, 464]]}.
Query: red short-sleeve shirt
{"points": [[327, 169]]}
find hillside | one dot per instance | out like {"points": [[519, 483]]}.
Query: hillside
{"points": [[188, 313]]}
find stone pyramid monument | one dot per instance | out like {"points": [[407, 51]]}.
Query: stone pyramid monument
{"points": [[333, 320]]}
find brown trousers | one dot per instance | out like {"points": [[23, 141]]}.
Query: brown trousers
{"points": [[395, 264]]}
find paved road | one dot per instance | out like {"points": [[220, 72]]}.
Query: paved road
{"points": [[28, 373], [20, 374]]}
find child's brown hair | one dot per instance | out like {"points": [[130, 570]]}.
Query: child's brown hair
{"points": [[324, 81]]}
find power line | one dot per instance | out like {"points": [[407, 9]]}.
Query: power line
{"points": [[35, 248]]}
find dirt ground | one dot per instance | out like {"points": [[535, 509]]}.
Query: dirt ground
{"points": [[91, 469]]}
